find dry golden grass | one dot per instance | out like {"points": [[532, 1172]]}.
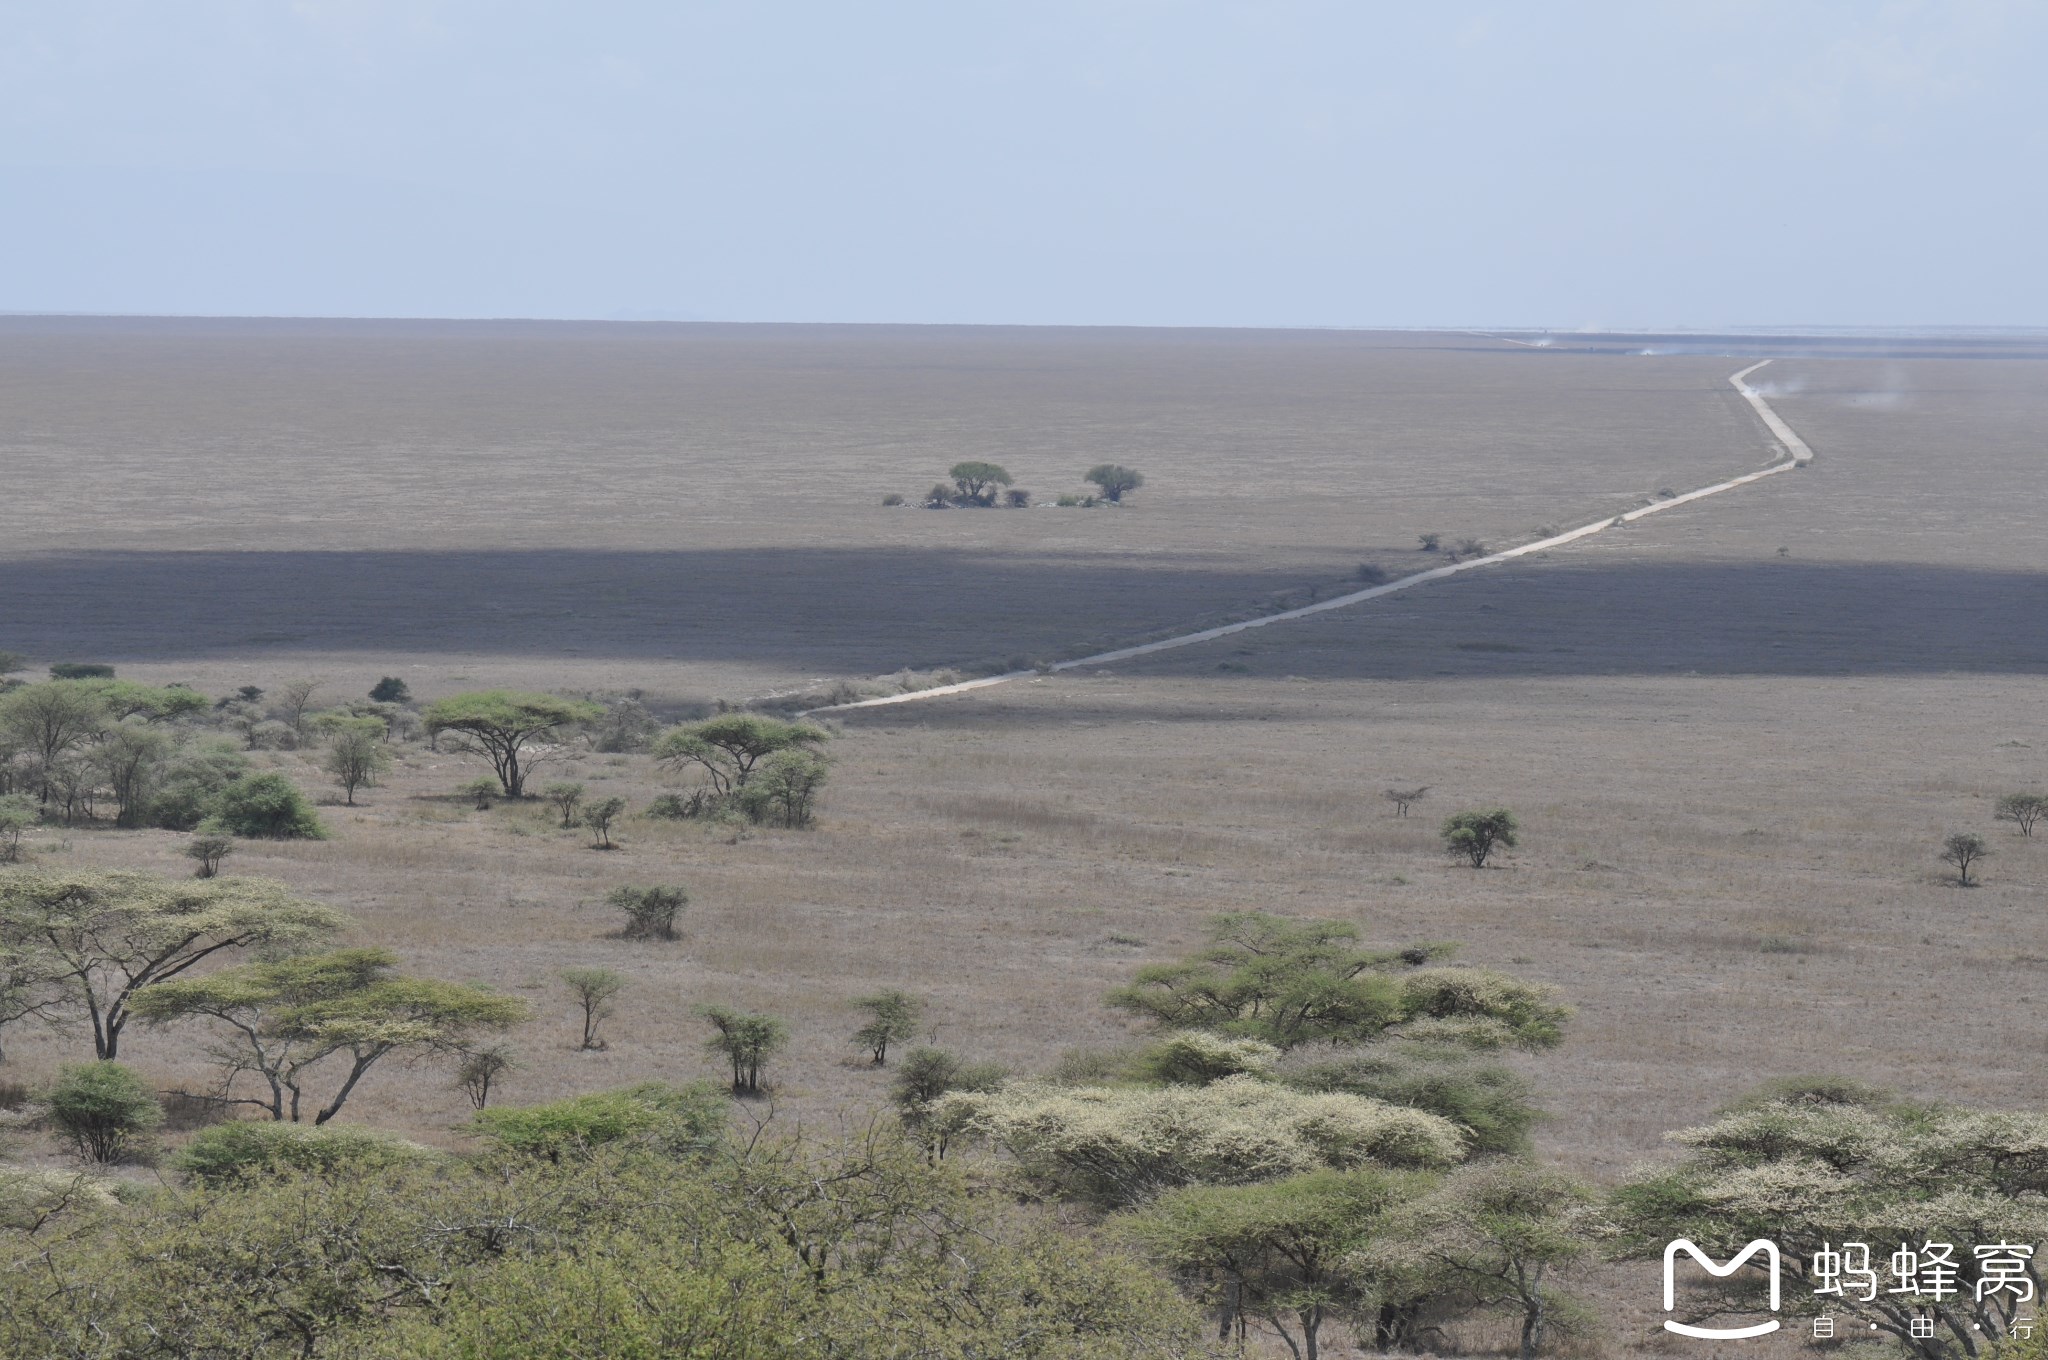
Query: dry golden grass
{"points": [[1733, 766]]}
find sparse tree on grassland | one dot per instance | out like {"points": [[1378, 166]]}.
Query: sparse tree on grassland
{"points": [[390, 690], [940, 497], [359, 754], [282, 1019], [104, 937], [1963, 849], [1115, 480], [594, 990], [729, 747], [565, 796], [892, 1018], [650, 911], [784, 790], [294, 697], [104, 1108], [514, 730], [2022, 809], [746, 1041], [976, 483], [17, 814], [209, 850], [1475, 836], [480, 1070], [480, 792], [1403, 799], [599, 817]]}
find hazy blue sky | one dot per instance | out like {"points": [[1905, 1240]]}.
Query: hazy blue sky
{"points": [[1179, 162]]}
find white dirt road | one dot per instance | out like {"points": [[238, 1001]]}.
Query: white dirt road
{"points": [[1796, 454]]}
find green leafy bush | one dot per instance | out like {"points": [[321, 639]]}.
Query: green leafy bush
{"points": [[676, 1119], [227, 1152], [265, 806], [191, 780], [104, 1109]]}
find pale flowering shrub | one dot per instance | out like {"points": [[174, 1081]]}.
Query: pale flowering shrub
{"points": [[1819, 1166], [1117, 1146]]}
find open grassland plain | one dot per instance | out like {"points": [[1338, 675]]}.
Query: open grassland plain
{"points": [[705, 502], [1735, 733]]}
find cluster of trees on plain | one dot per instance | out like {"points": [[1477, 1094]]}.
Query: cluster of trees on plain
{"points": [[980, 485], [1964, 850], [85, 746]]}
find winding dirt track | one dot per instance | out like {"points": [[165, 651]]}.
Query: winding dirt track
{"points": [[1795, 450]]}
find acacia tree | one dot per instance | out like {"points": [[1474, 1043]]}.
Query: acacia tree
{"points": [[1493, 1235], [1476, 835], [892, 1018], [359, 754], [2022, 809], [1963, 849], [50, 720], [294, 697], [599, 817], [729, 747], [17, 814], [1115, 480], [282, 1019], [100, 938], [745, 1040], [594, 990], [514, 730], [480, 1069], [129, 755], [976, 482], [784, 790], [565, 796], [1285, 1252]]}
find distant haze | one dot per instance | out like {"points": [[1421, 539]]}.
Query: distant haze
{"points": [[1099, 162]]}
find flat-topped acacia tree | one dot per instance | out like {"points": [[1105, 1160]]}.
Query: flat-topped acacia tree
{"points": [[1115, 480], [96, 939], [509, 727], [285, 1018], [728, 747], [976, 483]]}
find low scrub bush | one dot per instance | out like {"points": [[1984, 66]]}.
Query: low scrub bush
{"points": [[229, 1152], [651, 911], [674, 1119], [105, 1109]]}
